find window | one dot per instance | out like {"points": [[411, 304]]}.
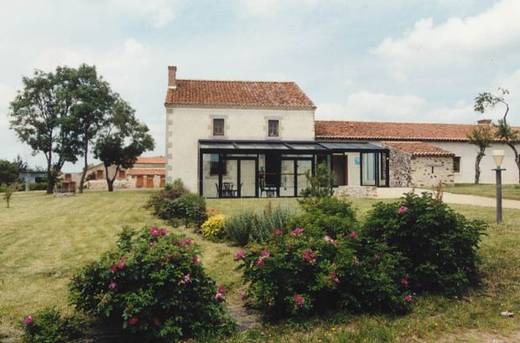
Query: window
{"points": [[273, 128], [218, 127], [456, 164], [213, 165]]}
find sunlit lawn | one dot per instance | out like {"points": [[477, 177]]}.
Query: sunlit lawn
{"points": [[43, 240], [508, 191]]}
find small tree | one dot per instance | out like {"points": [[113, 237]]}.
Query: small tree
{"points": [[320, 184], [9, 190], [122, 140], [504, 131], [482, 137]]}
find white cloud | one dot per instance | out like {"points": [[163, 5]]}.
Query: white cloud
{"points": [[457, 40], [158, 12], [269, 7]]}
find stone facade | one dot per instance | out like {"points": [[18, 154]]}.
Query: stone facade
{"points": [[428, 171], [400, 166], [355, 191]]}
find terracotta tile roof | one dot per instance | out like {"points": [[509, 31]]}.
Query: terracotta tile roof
{"points": [[147, 171], [151, 159], [285, 95], [392, 131], [419, 149]]}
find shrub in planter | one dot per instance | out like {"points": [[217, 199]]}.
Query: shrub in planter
{"points": [[439, 245], [213, 227], [326, 215], [48, 325], [152, 287], [300, 273]]}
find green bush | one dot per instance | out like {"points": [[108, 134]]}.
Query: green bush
{"points": [[49, 326], [300, 273], [188, 209], [439, 246], [213, 228], [326, 215], [170, 192], [153, 288], [249, 226], [38, 186]]}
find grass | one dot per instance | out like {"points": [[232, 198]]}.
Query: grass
{"points": [[43, 240], [485, 190]]}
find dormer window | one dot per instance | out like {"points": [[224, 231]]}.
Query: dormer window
{"points": [[218, 127], [273, 128]]}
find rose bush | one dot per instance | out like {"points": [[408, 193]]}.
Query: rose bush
{"points": [[153, 287], [301, 272], [438, 245]]}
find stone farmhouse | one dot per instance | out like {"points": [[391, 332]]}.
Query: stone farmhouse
{"points": [[260, 139]]}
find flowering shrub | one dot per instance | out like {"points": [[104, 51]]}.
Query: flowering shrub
{"points": [[299, 273], [439, 246], [153, 287], [48, 325], [326, 215], [214, 226]]}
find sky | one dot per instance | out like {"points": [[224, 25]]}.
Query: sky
{"points": [[377, 60]]}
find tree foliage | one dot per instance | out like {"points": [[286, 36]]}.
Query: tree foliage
{"points": [[504, 131], [482, 137], [122, 140], [9, 172], [320, 184]]}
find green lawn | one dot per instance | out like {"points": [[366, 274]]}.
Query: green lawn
{"points": [[43, 240], [509, 191]]}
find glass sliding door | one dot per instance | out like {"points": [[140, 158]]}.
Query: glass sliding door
{"points": [[383, 169], [287, 178], [304, 167], [368, 169], [210, 175], [248, 178]]}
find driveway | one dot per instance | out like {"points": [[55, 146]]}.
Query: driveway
{"points": [[450, 198]]}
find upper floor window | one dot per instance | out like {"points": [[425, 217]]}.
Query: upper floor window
{"points": [[218, 127], [273, 128], [456, 164]]}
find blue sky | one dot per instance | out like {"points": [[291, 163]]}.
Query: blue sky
{"points": [[400, 60]]}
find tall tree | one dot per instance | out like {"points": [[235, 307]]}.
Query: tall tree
{"points": [[90, 111], [122, 140], [482, 137], [9, 172], [41, 117], [504, 131]]}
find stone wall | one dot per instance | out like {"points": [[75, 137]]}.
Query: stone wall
{"points": [[400, 168], [428, 171], [355, 191]]}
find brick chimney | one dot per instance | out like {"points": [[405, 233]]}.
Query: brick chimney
{"points": [[172, 77], [484, 122]]}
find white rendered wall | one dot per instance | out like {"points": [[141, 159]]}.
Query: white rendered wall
{"points": [[185, 126], [468, 153]]}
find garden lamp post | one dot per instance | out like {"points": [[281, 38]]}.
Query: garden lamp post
{"points": [[498, 156]]}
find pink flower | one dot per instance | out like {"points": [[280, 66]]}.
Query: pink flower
{"points": [[221, 294], [112, 286], [260, 262], [187, 241], [329, 240], [402, 210], [334, 277], [278, 232], [28, 320], [163, 231], [195, 259], [354, 235], [120, 265], [185, 279], [265, 253], [239, 255], [309, 256], [134, 320], [296, 232], [404, 282], [154, 231], [408, 298], [299, 300]]}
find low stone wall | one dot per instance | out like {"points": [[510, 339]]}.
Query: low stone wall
{"points": [[355, 191]]}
